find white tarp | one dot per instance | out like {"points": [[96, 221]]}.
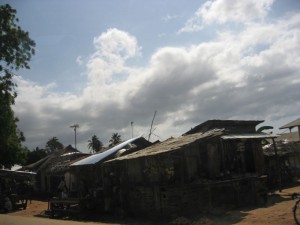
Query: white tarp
{"points": [[100, 156]]}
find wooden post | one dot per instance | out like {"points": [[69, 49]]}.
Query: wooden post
{"points": [[224, 167], [278, 165]]}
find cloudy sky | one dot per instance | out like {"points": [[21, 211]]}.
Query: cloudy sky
{"points": [[105, 64]]}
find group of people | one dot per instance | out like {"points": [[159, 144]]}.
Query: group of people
{"points": [[63, 191], [5, 191], [110, 188], [8, 189]]}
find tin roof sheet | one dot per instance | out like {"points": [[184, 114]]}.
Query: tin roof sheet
{"points": [[100, 156], [248, 136], [292, 124]]}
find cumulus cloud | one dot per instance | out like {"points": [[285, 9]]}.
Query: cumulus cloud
{"points": [[222, 11], [250, 74], [113, 49]]}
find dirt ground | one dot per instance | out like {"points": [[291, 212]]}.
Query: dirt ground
{"points": [[278, 211]]}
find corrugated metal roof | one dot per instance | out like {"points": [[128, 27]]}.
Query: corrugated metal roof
{"points": [[16, 172], [100, 156], [218, 124], [292, 124], [171, 144], [293, 136], [248, 136]]}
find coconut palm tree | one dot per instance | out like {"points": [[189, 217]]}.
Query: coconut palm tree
{"points": [[95, 144], [115, 139], [53, 144], [263, 128]]}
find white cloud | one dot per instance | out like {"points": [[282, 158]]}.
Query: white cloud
{"points": [[113, 48], [223, 11], [116, 43], [253, 74], [167, 18], [79, 60]]}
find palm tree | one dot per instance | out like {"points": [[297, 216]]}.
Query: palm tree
{"points": [[53, 144], [95, 144], [115, 139], [263, 128]]}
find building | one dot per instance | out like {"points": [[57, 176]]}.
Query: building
{"points": [[282, 157], [88, 172], [291, 136], [218, 162], [51, 168]]}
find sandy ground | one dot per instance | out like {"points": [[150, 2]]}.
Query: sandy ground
{"points": [[278, 211]]}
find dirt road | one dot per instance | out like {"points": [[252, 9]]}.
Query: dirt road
{"points": [[17, 220], [278, 211]]}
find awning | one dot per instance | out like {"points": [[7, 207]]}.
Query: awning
{"points": [[248, 136], [100, 156]]}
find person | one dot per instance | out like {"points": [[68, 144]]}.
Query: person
{"points": [[107, 192], [7, 205], [83, 190], [62, 188]]}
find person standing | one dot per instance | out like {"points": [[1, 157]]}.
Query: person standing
{"points": [[62, 188]]}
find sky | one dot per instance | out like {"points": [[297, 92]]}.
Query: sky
{"points": [[108, 66]]}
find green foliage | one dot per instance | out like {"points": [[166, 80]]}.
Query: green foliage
{"points": [[11, 150], [115, 139], [16, 49], [264, 128], [10, 138], [34, 155], [53, 144], [95, 144]]}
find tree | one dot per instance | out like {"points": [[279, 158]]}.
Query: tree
{"points": [[53, 144], [16, 49], [35, 155], [115, 139], [263, 128], [95, 144]]}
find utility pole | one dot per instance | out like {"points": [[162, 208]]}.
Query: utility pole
{"points": [[75, 126]]}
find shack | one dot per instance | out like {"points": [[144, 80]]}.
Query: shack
{"points": [[217, 163], [282, 157], [291, 125], [17, 186], [282, 168], [86, 191], [87, 172], [51, 168]]}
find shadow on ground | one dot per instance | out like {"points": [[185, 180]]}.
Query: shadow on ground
{"points": [[225, 215]]}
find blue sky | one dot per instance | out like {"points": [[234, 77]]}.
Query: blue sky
{"points": [[103, 64]]}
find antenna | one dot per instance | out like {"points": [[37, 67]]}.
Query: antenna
{"points": [[132, 129], [75, 126], [151, 126]]}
